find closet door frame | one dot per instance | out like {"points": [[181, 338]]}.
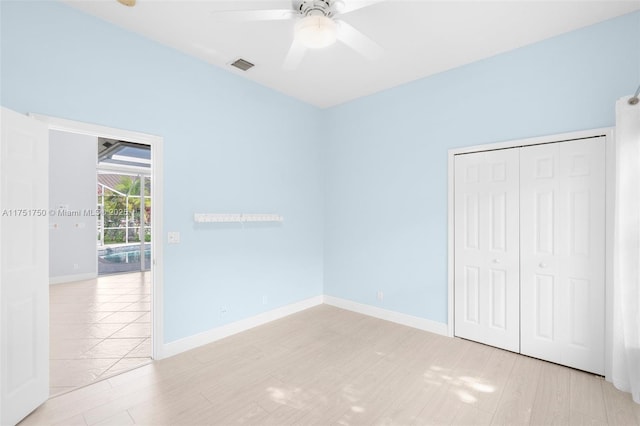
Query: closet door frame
{"points": [[608, 134]]}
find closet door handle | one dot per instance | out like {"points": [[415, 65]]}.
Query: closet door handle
{"points": [[542, 265]]}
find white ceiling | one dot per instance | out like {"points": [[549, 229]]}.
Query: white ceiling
{"points": [[419, 38]]}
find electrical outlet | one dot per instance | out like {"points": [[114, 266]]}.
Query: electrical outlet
{"points": [[380, 296], [173, 237], [223, 310], [76, 266]]}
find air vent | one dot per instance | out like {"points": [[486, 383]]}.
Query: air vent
{"points": [[242, 64]]}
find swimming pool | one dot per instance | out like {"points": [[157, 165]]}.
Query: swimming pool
{"points": [[122, 258]]}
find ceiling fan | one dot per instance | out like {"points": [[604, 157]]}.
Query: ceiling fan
{"points": [[316, 26]]}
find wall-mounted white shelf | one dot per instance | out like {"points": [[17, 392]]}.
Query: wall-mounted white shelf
{"points": [[236, 217]]}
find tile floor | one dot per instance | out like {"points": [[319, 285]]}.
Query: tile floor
{"points": [[98, 327]]}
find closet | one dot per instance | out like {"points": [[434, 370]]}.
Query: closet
{"points": [[529, 250]]}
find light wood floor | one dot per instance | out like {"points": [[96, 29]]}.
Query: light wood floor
{"points": [[98, 327], [328, 366]]}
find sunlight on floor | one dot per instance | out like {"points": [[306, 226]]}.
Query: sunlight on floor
{"points": [[294, 397], [464, 387], [476, 384]]}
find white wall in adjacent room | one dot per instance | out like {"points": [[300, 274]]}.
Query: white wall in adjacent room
{"points": [[72, 195]]}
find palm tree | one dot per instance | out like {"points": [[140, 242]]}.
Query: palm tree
{"points": [[131, 187], [126, 199]]}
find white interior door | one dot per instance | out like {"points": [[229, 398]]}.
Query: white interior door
{"points": [[563, 253], [486, 257], [24, 286]]}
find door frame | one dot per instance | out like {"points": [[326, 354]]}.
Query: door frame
{"points": [[157, 189], [608, 134]]}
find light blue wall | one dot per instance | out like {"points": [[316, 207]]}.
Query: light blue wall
{"points": [[386, 154], [230, 146]]}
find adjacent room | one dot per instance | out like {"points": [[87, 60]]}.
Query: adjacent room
{"points": [[319, 212], [99, 258]]}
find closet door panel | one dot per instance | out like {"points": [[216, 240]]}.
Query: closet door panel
{"points": [[486, 248], [562, 237]]}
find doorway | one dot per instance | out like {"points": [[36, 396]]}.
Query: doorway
{"points": [[109, 323], [124, 206]]}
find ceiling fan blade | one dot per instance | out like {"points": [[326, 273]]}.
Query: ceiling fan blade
{"points": [[358, 41], [295, 55], [253, 15], [347, 6]]}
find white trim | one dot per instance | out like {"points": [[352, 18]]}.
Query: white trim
{"points": [[71, 278], [610, 189], [157, 241], [608, 133], [72, 126], [384, 314], [450, 239], [156, 143], [122, 169], [561, 137], [200, 339]]}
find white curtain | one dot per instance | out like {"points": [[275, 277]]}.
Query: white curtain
{"points": [[626, 289]]}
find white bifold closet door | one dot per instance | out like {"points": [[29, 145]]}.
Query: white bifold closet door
{"points": [[562, 253], [530, 250], [486, 275]]}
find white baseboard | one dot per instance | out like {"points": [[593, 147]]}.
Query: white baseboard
{"points": [[71, 278], [397, 317], [191, 342]]}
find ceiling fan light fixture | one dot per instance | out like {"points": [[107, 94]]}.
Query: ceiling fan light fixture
{"points": [[316, 31]]}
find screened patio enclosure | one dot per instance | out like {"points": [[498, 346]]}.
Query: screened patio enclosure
{"points": [[124, 208]]}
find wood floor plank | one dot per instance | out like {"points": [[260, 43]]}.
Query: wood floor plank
{"points": [[73, 421], [493, 379], [120, 419], [587, 398], [471, 415], [251, 413], [167, 409], [470, 381], [552, 403], [444, 397], [518, 396], [621, 410], [412, 393], [578, 418]]}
